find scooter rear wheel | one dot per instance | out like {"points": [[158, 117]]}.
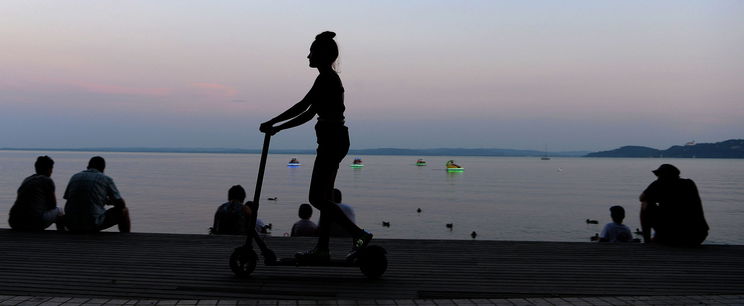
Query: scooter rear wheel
{"points": [[373, 261], [243, 261]]}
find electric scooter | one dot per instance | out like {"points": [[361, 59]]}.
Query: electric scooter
{"points": [[371, 260]]}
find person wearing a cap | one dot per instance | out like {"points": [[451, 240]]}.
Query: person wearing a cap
{"points": [[616, 231], [671, 206]]}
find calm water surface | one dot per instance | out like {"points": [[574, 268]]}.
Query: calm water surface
{"points": [[501, 198]]}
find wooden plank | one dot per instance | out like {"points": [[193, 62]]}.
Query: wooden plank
{"points": [[170, 266]]}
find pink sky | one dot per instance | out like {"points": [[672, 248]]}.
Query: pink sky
{"points": [[570, 75]]}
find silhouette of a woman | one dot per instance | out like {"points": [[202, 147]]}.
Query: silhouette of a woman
{"points": [[326, 99]]}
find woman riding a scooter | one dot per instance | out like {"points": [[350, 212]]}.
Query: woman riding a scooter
{"points": [[326, 99]]}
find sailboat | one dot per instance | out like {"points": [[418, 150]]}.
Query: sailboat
{"points": [[545, 157]]}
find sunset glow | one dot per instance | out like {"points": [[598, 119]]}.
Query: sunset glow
{"points": [[572, 75]]}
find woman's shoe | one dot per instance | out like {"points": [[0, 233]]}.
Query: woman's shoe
{"points": [[359, 243]]}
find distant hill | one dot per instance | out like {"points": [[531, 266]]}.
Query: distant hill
{"points": [[379, 151], [733, 148], [628, 151]]}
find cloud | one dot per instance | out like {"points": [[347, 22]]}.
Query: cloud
{"points": [[215, 90]]}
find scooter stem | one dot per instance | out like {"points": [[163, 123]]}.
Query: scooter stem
{"points": [[251, 230], [261, 169]]}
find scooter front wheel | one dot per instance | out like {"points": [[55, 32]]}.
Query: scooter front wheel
{"points": [[243, 261]]}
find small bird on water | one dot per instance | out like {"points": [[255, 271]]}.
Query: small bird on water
{"points": [[418, 210], [589, 221], [473, 234], [385, 224], [449, 226]]}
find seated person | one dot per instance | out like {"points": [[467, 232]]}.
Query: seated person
{"points": [[616, 231], [35, 207], [261, 227], [671, 206], [336, 229], [87, 194], [304, 227], [233, 216]]}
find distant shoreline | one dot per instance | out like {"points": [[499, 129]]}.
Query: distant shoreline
{"points": [[377, 151], [729, 149]]}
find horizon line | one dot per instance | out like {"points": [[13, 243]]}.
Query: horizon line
{"points": [[370, 151]]}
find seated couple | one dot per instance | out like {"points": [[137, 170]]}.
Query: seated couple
{"points": [[87, 194]]}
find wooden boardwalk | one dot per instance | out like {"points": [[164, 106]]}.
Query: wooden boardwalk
{"points": [[171, 266]]}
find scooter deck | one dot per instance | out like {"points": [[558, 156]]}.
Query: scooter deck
{"points": [[314, 263]]}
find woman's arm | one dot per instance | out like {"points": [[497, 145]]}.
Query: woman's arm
{"points": [[292, 112], [296, 121], [298, 114]]}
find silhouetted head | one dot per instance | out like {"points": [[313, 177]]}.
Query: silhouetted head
{"points": [[617, 213], [323, 51], [306, 211], [44, 165], [236, 193], [337, 195], [666, 171], [97, 162]]}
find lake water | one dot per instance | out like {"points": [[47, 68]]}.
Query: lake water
{"points": [[501, 198]]}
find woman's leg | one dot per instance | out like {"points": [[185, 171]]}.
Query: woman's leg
{"points": [[321, 190], [333, 144]]}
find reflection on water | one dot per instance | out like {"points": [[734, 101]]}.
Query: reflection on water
{"points": [[502, 198]]}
